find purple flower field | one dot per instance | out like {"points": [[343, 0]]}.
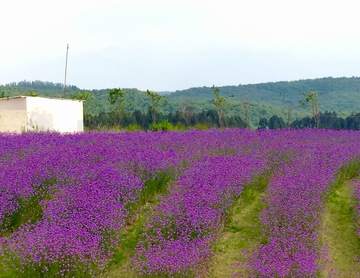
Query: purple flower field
{"points": [[64, 199]]}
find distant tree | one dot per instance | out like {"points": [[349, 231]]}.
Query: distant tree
{"points": [[156, 100], [89, 104], [330, 120], [201, 117], [245, 106], [353, 121], [176, 118], [219, 102], [287, 108], [263, 123], [212, 117], [312, 99], [234, 121], [117, 103], [187, 109], [188, 114], [140, 118], [276, 122], [306, 122], [342, 123]]}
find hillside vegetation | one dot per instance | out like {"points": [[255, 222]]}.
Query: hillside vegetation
{"points": [[335, 94], [263, 100]]}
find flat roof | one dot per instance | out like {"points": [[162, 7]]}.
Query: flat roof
{"points": [[16, 97], [7, 98]]}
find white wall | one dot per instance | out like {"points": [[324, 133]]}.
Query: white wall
{"points": [[13, 117], [13, 121], [18, 103], [41, 114], [60, 115]]}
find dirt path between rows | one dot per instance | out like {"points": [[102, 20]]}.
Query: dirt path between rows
{"points": [[338, 234]]}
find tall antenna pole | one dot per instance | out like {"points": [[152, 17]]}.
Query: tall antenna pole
{"points": [[67, 53]]}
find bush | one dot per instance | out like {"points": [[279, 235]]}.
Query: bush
{"points": [[164, 125], [133, 127]]}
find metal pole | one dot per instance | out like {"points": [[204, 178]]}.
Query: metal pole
{"points": [[67, 52]]}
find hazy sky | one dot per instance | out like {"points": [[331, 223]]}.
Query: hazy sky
{"points": [[168, 45]]}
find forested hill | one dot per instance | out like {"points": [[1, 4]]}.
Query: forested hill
{"points": [[41, 88], [334, 94]]}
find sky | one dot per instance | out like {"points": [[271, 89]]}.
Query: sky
{"points": [[169, 45]]}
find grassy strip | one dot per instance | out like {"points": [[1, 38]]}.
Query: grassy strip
{"points": [[155, 186], [338, 231], [242, 230], [6, 273], [339, 234], [29, 210], [121, 264], [130, 236]]}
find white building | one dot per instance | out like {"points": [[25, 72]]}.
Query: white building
{"points": [[26, 113]]}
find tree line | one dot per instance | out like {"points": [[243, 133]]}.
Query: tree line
{"points": [[327, 120], [133, 109], [210, 119], [154, 119]]}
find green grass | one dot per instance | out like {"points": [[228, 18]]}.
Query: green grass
{"points": [[155, 186], [339, 234], [29, 209], [242, 230], [129, 237], [338, 230], [347, 172], [6, 273]]}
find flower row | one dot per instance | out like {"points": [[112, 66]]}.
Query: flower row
{"points": [[179, 235], [294, 205]]}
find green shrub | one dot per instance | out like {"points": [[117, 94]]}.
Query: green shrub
{"points": [[133, 127], [164, 125]]}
